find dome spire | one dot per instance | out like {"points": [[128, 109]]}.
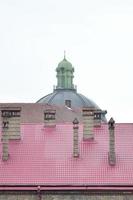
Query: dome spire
{"points": [[64, 55]]}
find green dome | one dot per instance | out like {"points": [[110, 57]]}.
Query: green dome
{"points": [[66, 65]]}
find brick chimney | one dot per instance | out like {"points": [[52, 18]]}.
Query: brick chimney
{"points": [[50, 118], [111, 154], [88, 123], [75, 138], [5, 140]]}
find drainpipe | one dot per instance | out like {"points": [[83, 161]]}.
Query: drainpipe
{"points": [[39, 193]]}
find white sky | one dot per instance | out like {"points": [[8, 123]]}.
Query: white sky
{"points": [[97, 36]]}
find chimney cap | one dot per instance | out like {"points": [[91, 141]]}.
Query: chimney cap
{"points": [[111, 123], [75, 121]]}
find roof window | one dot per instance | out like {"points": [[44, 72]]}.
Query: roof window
{"points": [[68, 103]]}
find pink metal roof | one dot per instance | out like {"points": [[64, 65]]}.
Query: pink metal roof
{"points": [[44, 157]]}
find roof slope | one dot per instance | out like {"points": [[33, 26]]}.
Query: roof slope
{"points": [[44, 157]]}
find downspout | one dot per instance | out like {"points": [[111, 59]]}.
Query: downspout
{"points": [[39, 193]]}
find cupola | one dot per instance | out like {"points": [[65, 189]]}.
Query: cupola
{"points": [[65, 75]]}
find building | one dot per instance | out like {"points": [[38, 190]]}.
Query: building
{"points": [[65, 93], [63, 148]]}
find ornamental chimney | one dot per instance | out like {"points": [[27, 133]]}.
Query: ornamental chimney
{"points": [[75, 138], [88, 123], [111, 154]]}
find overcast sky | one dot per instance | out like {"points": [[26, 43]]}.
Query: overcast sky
{"points": [[97, 36]]}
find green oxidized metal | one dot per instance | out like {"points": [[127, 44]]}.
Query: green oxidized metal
{"points": [[65, 75]]}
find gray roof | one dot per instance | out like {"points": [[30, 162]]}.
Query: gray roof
{"points": [[59, 96]]}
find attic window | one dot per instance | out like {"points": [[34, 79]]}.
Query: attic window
{"points": [[68, 103], [49, 116]]}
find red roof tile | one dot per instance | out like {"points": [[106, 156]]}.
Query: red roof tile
{"points": [[44, 157]]}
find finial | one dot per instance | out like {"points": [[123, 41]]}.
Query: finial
{"points": [[64, 55]]}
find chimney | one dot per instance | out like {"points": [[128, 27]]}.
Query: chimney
{"points": [[97, 118], [49, 118], [111, 154], [12, 115], [88, 123], [75, 138], [98, 114], [5, 140]]}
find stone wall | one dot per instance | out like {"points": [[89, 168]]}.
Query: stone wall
{"points": [[35, 196]]}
